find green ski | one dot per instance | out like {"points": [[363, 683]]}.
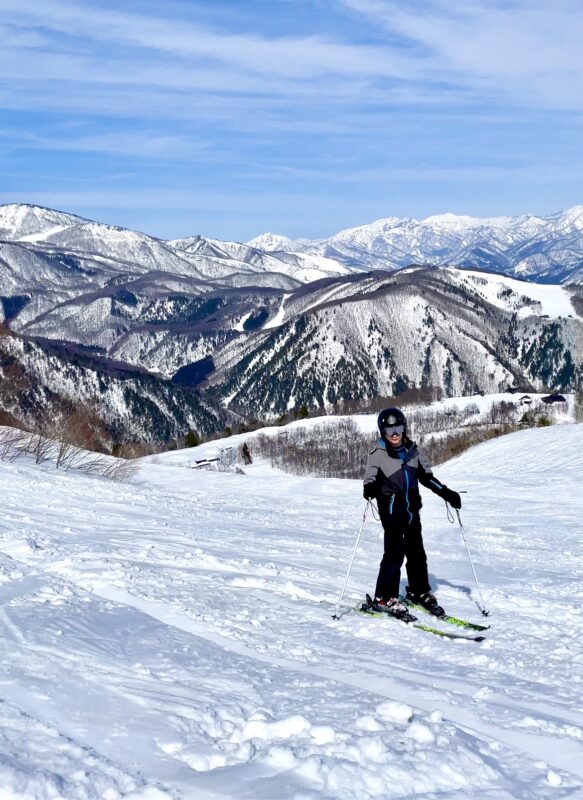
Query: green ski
{"points": [[461, 623], [371, 609]]}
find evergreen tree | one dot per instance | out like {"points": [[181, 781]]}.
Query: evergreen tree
{"points": [[192, 439], [246, 455]]}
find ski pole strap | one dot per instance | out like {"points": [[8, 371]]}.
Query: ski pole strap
{"points": [[450, 517]]}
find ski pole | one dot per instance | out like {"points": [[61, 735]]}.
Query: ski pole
{"points": [[335, 615], [482, 607]]}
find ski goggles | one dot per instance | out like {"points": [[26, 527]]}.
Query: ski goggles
{"points": [[390, 430]]}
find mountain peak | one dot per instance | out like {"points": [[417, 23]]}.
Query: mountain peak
{"points": [[24, 222], [457, 221], [573, 215], [271, 242], [531, 246]]}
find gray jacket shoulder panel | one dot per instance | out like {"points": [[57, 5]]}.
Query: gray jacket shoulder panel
{"points": [[423, 461], [374, 464], [380, 461]]}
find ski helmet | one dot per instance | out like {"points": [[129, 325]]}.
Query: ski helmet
{"points": [[389, 417]]}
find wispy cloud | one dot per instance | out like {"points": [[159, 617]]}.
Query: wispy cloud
{"points": [[120, 143], [292, 57], [530, 49], [365, 94], [120, 62], [77, 58]]}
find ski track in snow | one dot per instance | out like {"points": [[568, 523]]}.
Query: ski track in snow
{"points": [[165, 638]]}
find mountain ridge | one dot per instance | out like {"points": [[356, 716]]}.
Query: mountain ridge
{"points": [[526, 245], [546, 249]]}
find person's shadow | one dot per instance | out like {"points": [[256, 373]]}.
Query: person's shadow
{"points": [[437, 582], [459, 586]]}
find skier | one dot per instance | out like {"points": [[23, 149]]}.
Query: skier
{"points": [[393, 472]]}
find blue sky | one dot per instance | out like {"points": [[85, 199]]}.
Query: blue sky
{"points": [[299, 117]]}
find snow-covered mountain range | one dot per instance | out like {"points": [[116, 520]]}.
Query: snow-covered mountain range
{"points": [[44, 232], [261, 333], [547, 249]]}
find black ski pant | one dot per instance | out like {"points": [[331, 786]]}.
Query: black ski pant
{"points": [[403, 540]]}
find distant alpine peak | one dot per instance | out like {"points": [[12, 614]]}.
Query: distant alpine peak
{"points": [[447, 220], [385, 223], [573, 216], [271, 242], [461, 221]]}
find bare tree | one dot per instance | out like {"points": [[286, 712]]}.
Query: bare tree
{"points": [[33, 444], [119, 469], [11, 443]]}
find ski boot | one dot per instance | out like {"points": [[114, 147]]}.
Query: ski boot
{"points": [[393, 607], [428, 601]]}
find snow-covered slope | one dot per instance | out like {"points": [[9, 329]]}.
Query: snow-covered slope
{"points": [[26, 223], [520, 296], [562, 414], [547, 249], [135, 252], [165, 640]]}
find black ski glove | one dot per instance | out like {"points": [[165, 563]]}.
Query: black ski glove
{"points": [[369, 491], [451, 497]]}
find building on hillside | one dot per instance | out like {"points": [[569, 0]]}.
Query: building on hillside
{"points": [[554, 398]]}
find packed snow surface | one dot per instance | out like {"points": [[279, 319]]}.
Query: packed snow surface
{"points": [[165, 638]]}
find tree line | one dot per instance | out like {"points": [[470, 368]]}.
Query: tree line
{"points": [[339, 449]]}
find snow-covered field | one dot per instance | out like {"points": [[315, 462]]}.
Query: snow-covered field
{"points": [[165, 638]]}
